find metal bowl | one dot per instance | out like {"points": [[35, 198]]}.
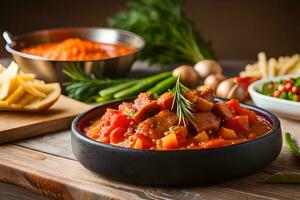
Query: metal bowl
{"points": [[51, 70]]}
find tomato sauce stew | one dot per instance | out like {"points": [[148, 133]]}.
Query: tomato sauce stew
{"points": [[75, 49], [149, 123]]}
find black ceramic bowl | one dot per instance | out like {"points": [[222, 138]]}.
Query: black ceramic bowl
{"points": [[175, 167]]}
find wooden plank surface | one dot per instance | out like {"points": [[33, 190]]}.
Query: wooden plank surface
{"points": [[62, 178], [46, 165], [13, 192], [19, 125]]}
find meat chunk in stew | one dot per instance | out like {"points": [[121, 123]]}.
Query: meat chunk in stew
{"points": [[127, 108], [205, 121], [165, 101], [222, 111], [142, 99], [200, 104], [155, 127], [147, 110], [207, 92]]}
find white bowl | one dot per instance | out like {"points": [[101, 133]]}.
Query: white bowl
{"points": [[284, 108]]}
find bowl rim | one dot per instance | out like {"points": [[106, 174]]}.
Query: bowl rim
{"points": [[255, 85], [76, 132], [13, 51]]}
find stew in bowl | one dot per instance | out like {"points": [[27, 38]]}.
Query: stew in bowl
{"points": [[150, 123]]}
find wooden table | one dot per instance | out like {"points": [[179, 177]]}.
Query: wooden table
{"points": [[46, 168]]}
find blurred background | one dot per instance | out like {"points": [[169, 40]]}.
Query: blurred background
{"points": [[237, 29]]}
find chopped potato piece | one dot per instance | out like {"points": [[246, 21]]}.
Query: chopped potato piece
{"points": [[31, 90], [42, 87], [138, 144], [27, 77], [26, 99], [22, 92], [16, 95], [202, 137]]}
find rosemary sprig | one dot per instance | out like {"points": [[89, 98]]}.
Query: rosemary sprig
{"points": [[184, 108], [83, 87]]}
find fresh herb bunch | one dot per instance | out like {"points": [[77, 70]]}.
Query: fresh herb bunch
{"points": [[170, 37], [184, 108], [83, 87]]}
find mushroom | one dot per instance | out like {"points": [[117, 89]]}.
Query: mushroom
{"points": [[207, 67], [224, 88], [237, 92], [231, 90], [188, 75], [213, 80]]}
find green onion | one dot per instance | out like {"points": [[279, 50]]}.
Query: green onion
{"points": [[142, 85], [116, 88], [162, 86]]}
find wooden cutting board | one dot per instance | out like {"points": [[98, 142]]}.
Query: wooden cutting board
{"points": [[19, 125]]}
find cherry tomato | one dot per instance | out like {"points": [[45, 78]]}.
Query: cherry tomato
{"points": [[277, 93], [295, 90], [288, 86]]}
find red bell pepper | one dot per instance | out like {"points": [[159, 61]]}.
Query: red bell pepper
{"points": [[235, 107], [239, 124], [250, 113], [117, 135], [121, 120], [245, 81]]}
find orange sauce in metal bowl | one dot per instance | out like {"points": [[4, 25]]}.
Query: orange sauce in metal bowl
{"points": [[75, 49]]}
